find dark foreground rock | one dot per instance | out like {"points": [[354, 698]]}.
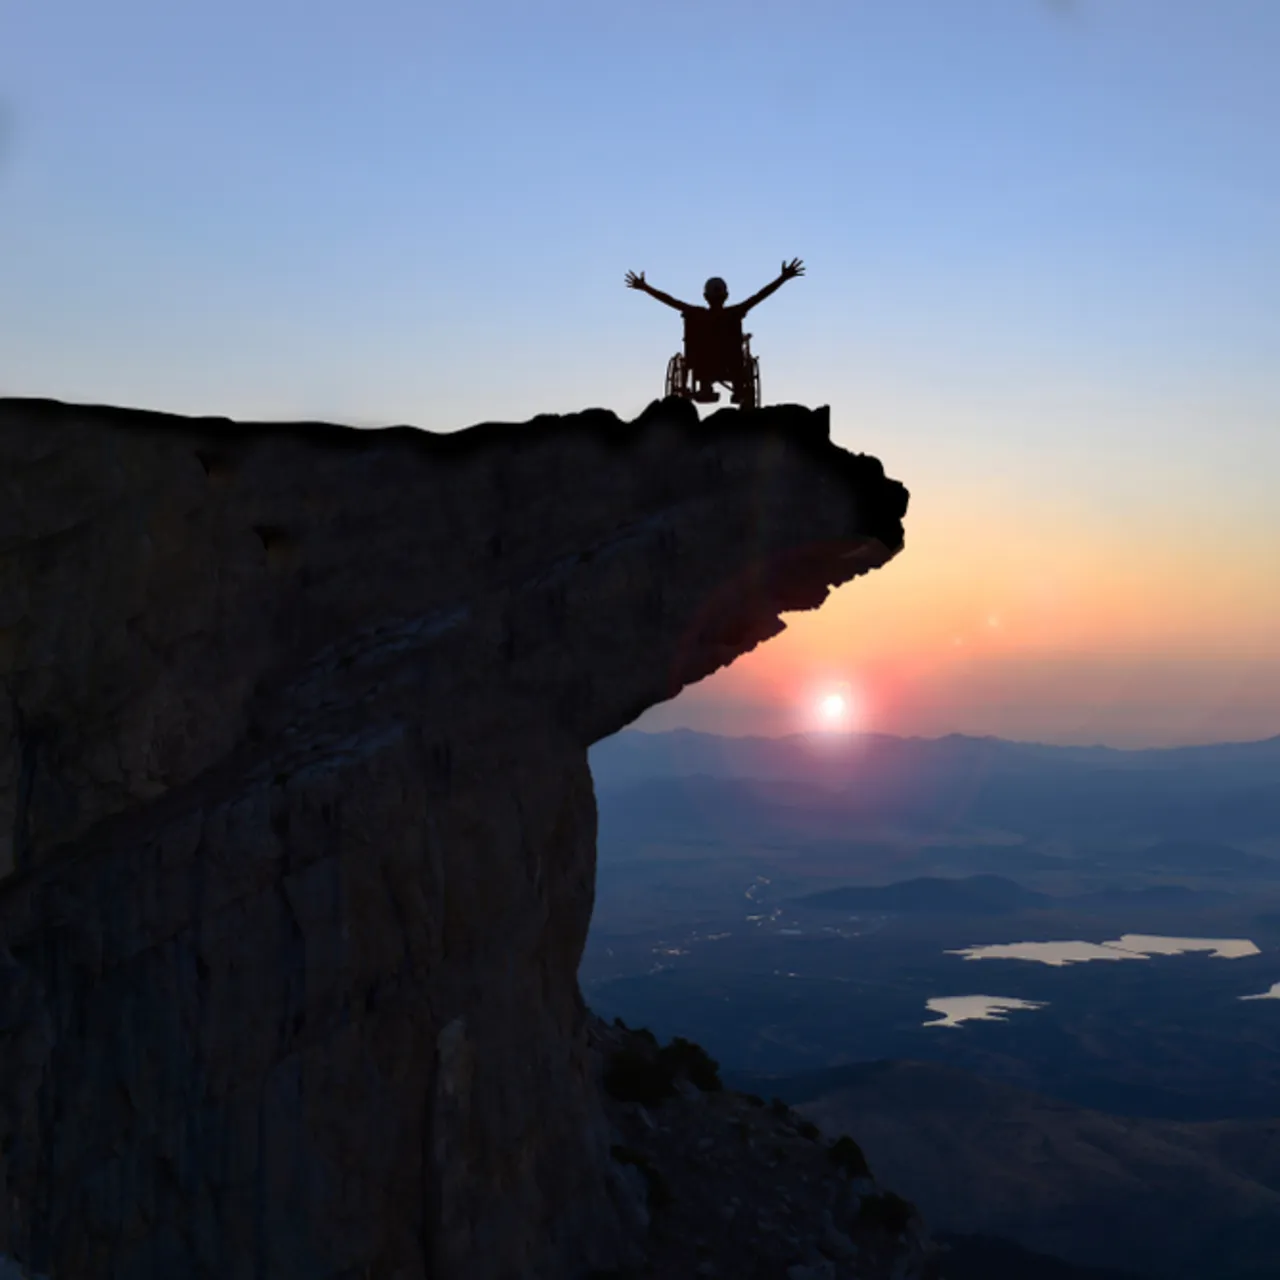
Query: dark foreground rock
{"points": [[738, 1187], [298, 827]]}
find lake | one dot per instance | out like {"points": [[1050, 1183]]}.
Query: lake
{"points": [[1131, 946], [1272, 994], [956, 1010]]}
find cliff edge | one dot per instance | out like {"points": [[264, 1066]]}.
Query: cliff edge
{"points": [[296, 825]]}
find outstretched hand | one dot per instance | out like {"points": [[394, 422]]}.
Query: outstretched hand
{"points": [[635, 281], [792, 269]]}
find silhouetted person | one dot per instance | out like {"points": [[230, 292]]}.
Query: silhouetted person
{"points": [[713, 334]]}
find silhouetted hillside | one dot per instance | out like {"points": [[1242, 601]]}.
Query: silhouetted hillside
{"points": [[971, 1257], [1186, 1200]]}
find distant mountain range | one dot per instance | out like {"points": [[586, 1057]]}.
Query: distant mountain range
{"points": [[993, 895], [1187, 1201], [1179, 800], [833, 759], [975, 895], [1195, 857]]}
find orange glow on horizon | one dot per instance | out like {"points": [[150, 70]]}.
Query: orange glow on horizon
{"points": [[1030, 618]]}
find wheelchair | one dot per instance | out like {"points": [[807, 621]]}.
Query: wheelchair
{"points": [[685, 370]]}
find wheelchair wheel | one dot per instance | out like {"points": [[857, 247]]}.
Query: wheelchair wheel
{"points": [[677, 376], [748, 391]]}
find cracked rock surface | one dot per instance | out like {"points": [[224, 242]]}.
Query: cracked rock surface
{"points": [[297, 833]]}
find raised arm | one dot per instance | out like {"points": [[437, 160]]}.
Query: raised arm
{"points": [[789, 271], [638, 282]]}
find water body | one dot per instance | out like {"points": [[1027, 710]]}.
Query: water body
{"points": [[1273, 994], [960, 1009], [1132, 946]]}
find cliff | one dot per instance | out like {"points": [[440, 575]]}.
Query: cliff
{"points": [[296, 822]]}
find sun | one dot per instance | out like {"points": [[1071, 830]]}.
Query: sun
{"points": [[829, 708], [833, 708]]}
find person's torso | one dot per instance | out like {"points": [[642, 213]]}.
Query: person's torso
{"points": [[717, 332]]}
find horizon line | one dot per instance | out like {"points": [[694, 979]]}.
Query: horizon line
{"points": [[915, 737]]}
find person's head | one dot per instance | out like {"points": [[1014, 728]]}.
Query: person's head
{"points": [[715, 291]]}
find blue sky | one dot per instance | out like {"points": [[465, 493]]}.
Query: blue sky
{"points": [[1040, 239]]}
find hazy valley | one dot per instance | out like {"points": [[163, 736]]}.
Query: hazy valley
{"points": [[799, 906]]}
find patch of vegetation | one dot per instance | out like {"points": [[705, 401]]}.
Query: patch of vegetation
{"points": [[779, 1108], [807, 1129], [692, 1060], [847, 1155], [755, 1099], [659, 1188], [643, 1032], [635, 1075], [886, 1212]]}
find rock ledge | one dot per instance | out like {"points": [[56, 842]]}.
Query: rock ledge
{"points": [[297, 827]]}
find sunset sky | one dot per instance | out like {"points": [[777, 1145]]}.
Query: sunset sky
{"points": [[1043, 286]]}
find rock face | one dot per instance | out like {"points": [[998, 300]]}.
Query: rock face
{"points": [[297, 825]]}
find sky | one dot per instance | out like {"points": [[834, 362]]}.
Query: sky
{"points": [[1042, 286]]}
